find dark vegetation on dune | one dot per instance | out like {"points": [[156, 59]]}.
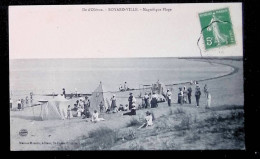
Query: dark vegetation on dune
{"points": [[219, 127]]}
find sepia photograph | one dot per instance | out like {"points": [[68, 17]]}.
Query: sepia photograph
{"points": [[126, 77]]}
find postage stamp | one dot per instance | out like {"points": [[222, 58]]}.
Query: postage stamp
{"points": [[217, 28]]}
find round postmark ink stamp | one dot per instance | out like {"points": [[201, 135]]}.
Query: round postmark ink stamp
{"points": [[23, 132]]}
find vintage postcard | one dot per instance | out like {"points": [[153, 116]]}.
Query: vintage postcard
{"points": [[126, 77]]}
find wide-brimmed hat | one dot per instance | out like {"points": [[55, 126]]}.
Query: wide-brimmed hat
{"points": [[130, 93]]}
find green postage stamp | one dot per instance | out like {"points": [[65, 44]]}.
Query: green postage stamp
{"points": [[217, 28]]}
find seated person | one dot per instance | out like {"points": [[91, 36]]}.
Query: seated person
{"points": [[108, 110], [121, 107], [69, 113], [95, 117], [87, 114], [126, 107], [148, 120], [80, 111], [75, 108], [133, 110], [115, 109]]}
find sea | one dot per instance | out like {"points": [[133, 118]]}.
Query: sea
{"points": [[46, 76]]}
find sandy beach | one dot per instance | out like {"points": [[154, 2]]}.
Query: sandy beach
{"points": [[227, 96]]}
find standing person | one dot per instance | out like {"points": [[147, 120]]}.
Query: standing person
{"points": [[31, 97], [27, 101], [189, 93], [120, 87], [146, 100], [80, 107], [86, 107], [130, 100], [205, 90], [168, 95], [64, 92], [22, 104], [197, 95], [208, 100], [11, 103], [125, 86], [69, 112], [113, 103], [185, 95], [101, 107], [19, 104], [154, 101], [180, 96]]}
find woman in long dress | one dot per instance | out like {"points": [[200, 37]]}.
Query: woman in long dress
{"points": [[113, 103]]}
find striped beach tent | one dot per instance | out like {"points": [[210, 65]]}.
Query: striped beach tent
{"points": [[100, 95]]}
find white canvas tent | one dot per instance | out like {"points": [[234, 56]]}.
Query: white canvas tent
{"points": [[100, 94], [54, 109], [159, 88]]}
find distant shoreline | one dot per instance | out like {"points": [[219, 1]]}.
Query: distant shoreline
{"points": [[235, 69]]}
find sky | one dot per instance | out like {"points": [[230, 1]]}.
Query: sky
{"points": [[66, 31]]}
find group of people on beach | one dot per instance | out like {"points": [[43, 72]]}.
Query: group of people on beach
{"points": [[82, 107], [21, 103], [149, 100], [123, 88], [184, 95]]}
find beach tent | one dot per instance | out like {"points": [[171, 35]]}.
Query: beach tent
{"points": [[159, 88], [100, 94], [55, 108]]}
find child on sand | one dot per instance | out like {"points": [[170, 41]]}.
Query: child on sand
{"points": [[95, 117]]}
